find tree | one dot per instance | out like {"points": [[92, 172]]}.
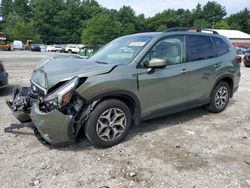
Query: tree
{"points": [[100, 30], [6, 7], [140, 25], [198, 12], [72, 21], [22, 8], [46, 21], [240, 21], [213, 13], [126, 15], [200, 23], [161, 28], [222, 25], [17, 28], [69, 22], [127, 28], [90, 8]]}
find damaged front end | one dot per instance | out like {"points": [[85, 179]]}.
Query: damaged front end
{"points": [[21, 104], [56, 115]]}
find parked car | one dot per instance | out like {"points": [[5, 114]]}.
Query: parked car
{"points": [[131, 79], [17, 45], [246, 60], [43, 47], [57, 48], [73, 48], [35, 48], [3, 77], [49, 48]]}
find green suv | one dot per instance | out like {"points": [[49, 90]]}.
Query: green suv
{"points": [[131, 79]]}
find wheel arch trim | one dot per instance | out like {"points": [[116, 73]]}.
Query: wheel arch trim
{"points": [[225, 76], [122, 94]]}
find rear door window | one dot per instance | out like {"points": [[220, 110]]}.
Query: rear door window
{"points": [[220, 46], [199, 48]]}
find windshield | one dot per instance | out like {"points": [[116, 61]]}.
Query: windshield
{"points": [[122, 50], [3, 41]]}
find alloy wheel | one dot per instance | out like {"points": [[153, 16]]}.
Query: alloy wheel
{"points": [[221, 97], [111, 124]]}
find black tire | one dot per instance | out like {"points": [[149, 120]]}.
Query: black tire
{"points": [[91, 125], [247, 64], [213, 106]]}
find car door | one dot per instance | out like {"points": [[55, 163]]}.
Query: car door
{"points": [[202, 66], [164, 87]]}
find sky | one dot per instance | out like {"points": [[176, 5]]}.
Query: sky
{"points": [[151, 7]]}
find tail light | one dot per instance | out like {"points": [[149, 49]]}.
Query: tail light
{"points": [[238, 59]]}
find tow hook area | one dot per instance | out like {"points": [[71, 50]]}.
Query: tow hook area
{"points": [[31, 125]]}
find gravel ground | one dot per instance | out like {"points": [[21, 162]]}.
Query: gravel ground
{"points": [[188, 149]]}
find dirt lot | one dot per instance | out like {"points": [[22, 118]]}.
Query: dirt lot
{"points": [[188, 149]]}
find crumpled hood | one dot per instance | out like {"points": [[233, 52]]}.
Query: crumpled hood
{"points": [[63, 68]]}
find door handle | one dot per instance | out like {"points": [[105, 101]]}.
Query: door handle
{"points": [[184, 71], [217, 65]]}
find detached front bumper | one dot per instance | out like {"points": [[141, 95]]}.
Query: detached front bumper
{"points": [[52, 126]]}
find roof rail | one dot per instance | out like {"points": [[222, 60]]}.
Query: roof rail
{"points": [[190, 29]]}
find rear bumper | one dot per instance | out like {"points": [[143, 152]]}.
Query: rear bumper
{"points": [[235, 89], [236, 81]]}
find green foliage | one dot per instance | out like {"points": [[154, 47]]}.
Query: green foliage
{"points": [[222, 25], [213, 13], [161, 28], [22, 8], [18, 29], [100, 30], [240, 21], [75, 21], [6, 8], [201, 23]]}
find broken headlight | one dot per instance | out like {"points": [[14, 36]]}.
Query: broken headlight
{"points": [[62, 95]]}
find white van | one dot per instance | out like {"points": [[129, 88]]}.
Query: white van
{"points": [[17, 45]]}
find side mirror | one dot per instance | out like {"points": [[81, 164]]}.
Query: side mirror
{"points": [[157, 63]]}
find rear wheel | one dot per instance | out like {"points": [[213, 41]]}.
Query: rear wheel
{"points": [[247, 64], [108, 124], [220, 98]]}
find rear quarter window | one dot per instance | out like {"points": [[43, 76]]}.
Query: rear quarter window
{"points": [[199, 48], [220, 46]]}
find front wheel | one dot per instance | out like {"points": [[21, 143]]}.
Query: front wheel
{"points": [[220, 98], [108, 123]]}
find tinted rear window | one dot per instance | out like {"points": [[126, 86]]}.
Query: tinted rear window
{"points": [[220, 46], [199, 47]]}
